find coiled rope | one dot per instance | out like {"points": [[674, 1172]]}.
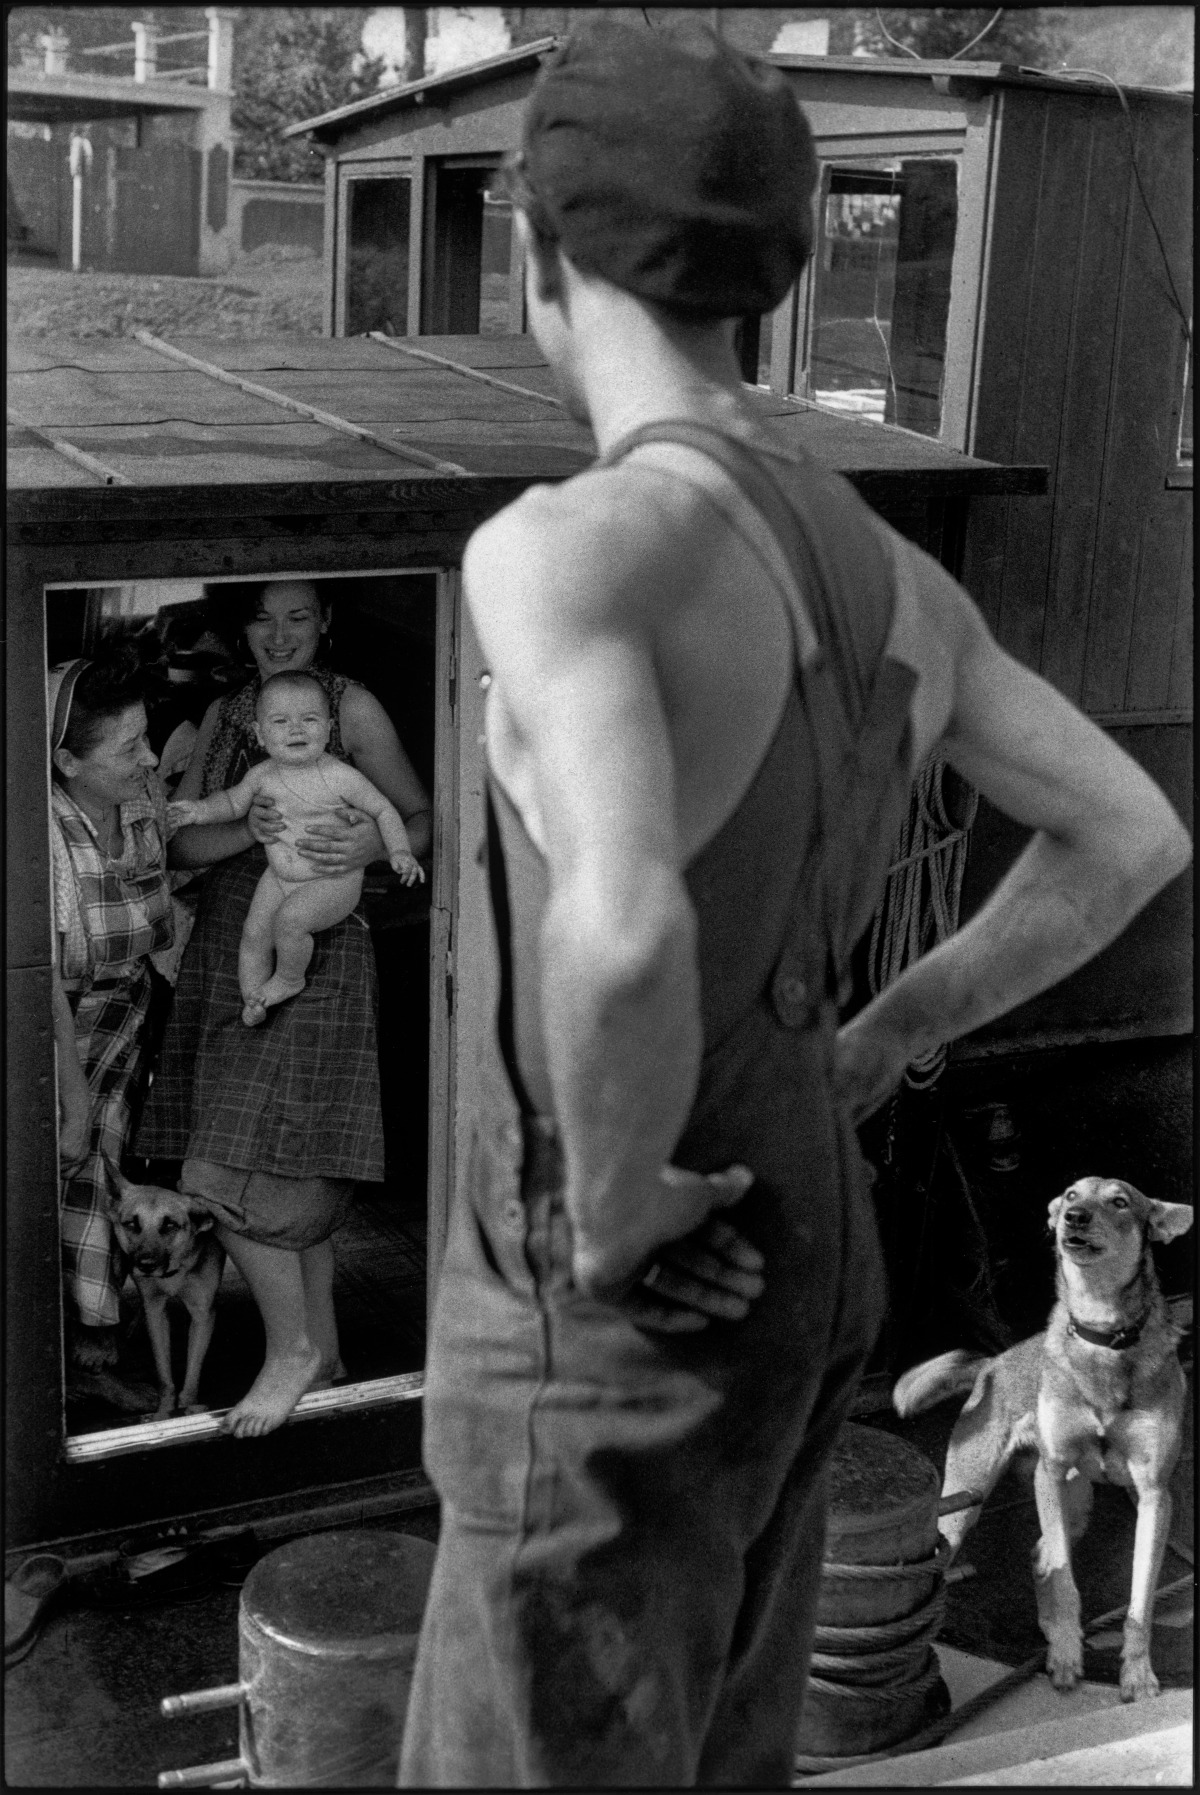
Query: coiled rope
{"points": [[921, 898]]}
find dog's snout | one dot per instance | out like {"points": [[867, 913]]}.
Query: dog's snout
{"points": [[1079, 1218]]}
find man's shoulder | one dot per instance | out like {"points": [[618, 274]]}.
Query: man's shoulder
{"points": [[602, 535], [593, 501]]}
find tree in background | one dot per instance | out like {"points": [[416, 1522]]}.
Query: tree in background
{"points": [[1031, 35], [290, 63]]}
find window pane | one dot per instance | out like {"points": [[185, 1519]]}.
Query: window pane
{"points": [[881, 292], [377, 242]]}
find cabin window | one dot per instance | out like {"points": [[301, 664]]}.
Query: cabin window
{"points": [[377, 226], [472, 283], [190, 636], [880, 290]]}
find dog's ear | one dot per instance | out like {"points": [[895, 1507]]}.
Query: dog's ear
{"points": [[1055, 1210], [200, 1218], [1166, 1220]]}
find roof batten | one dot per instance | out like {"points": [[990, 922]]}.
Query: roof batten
{"points": [[405, 451]]}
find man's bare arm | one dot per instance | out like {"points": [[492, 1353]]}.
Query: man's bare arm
{"points": [[567, 638], [1105, 841]]}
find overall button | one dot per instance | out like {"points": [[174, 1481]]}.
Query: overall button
{"points": [[793, 990], [512, 1212]]}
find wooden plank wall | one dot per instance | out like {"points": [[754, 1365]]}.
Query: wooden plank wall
{"points": [[1082, 367]]}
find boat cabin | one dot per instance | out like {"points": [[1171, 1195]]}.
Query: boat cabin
{"points": [[1003, 265], [147, 481]]}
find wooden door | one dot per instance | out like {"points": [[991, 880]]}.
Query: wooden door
{"points": [[350, 1446]]}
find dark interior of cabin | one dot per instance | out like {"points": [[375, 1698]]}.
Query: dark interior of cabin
{"points": [[382, 634]]}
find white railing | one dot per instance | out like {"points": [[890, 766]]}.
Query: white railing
{"points": [[144, 50]]}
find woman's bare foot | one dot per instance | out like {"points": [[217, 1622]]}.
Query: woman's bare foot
{"points": [[274, 1393], [329, 1374]]}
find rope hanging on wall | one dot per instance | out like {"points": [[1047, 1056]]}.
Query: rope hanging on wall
{"points": [[921, 898]]}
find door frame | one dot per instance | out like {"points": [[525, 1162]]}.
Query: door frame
{"points": [[394, 168], [120, 535]]}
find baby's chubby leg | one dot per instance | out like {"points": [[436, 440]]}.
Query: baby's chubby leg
{"points": [[256, 953], [309, 907]]}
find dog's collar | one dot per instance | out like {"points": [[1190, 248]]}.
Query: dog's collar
{"points": [[1117, 1339]]}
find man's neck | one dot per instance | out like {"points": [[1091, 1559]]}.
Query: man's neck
{"points": [[633, 369]]}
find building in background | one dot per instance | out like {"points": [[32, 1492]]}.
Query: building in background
{"points": [[146, 187]]}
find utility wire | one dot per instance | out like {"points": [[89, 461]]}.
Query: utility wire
{"points": [[1099, 75], [909, 51], [979, 36]]}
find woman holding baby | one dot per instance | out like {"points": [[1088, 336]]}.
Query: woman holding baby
{"points": [[276, 1123]]}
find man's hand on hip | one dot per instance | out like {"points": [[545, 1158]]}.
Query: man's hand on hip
{"points": [[712, 1273]]}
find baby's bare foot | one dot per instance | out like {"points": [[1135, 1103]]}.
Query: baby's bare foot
{"points": [[274, 1393], [254, 1010], [278, 990]]}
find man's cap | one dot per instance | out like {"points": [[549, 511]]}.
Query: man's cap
{"points": [[672, 166]]}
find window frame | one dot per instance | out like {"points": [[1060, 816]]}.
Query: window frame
{"points": [[433, 166], [393, 169]]}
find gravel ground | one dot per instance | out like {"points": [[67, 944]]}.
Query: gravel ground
{"points": [[272, 291]]}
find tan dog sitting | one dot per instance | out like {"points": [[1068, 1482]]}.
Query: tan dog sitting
{"points": [[1099, 1395], [175, 1255]]}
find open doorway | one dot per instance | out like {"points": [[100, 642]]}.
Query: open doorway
{"points": [[382, 634]]}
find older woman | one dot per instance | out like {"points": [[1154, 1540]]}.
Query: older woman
{"points": [[112, 914], [276, 1124]]}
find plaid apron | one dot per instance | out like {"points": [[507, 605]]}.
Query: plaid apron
{"points": [[111, 915], [297, 1097]]}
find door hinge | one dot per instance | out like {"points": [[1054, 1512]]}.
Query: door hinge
{"points": [[449, 983], [453, 678]]}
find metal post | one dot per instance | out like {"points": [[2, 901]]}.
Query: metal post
{"points": [[55, 44], [220, 47], [81, 159], [145, 52]]}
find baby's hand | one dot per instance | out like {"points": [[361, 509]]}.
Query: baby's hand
{"points": [[410, 870], [181, 812]]}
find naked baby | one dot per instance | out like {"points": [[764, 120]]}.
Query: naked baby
{"points": [[294, 900]]}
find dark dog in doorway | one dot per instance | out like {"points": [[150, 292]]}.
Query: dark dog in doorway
{"points": [[1098, 1397], [175, 1256]]}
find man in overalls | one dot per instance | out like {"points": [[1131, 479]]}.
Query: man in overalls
{"points": [[714, 672]]}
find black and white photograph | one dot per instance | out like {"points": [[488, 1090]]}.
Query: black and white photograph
{"points": [[599, 786]]}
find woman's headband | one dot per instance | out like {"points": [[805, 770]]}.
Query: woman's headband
{"points": [[60, 690]]}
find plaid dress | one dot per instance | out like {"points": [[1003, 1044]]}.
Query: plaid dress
{"points": [[298, 1096], [111, 916]]}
